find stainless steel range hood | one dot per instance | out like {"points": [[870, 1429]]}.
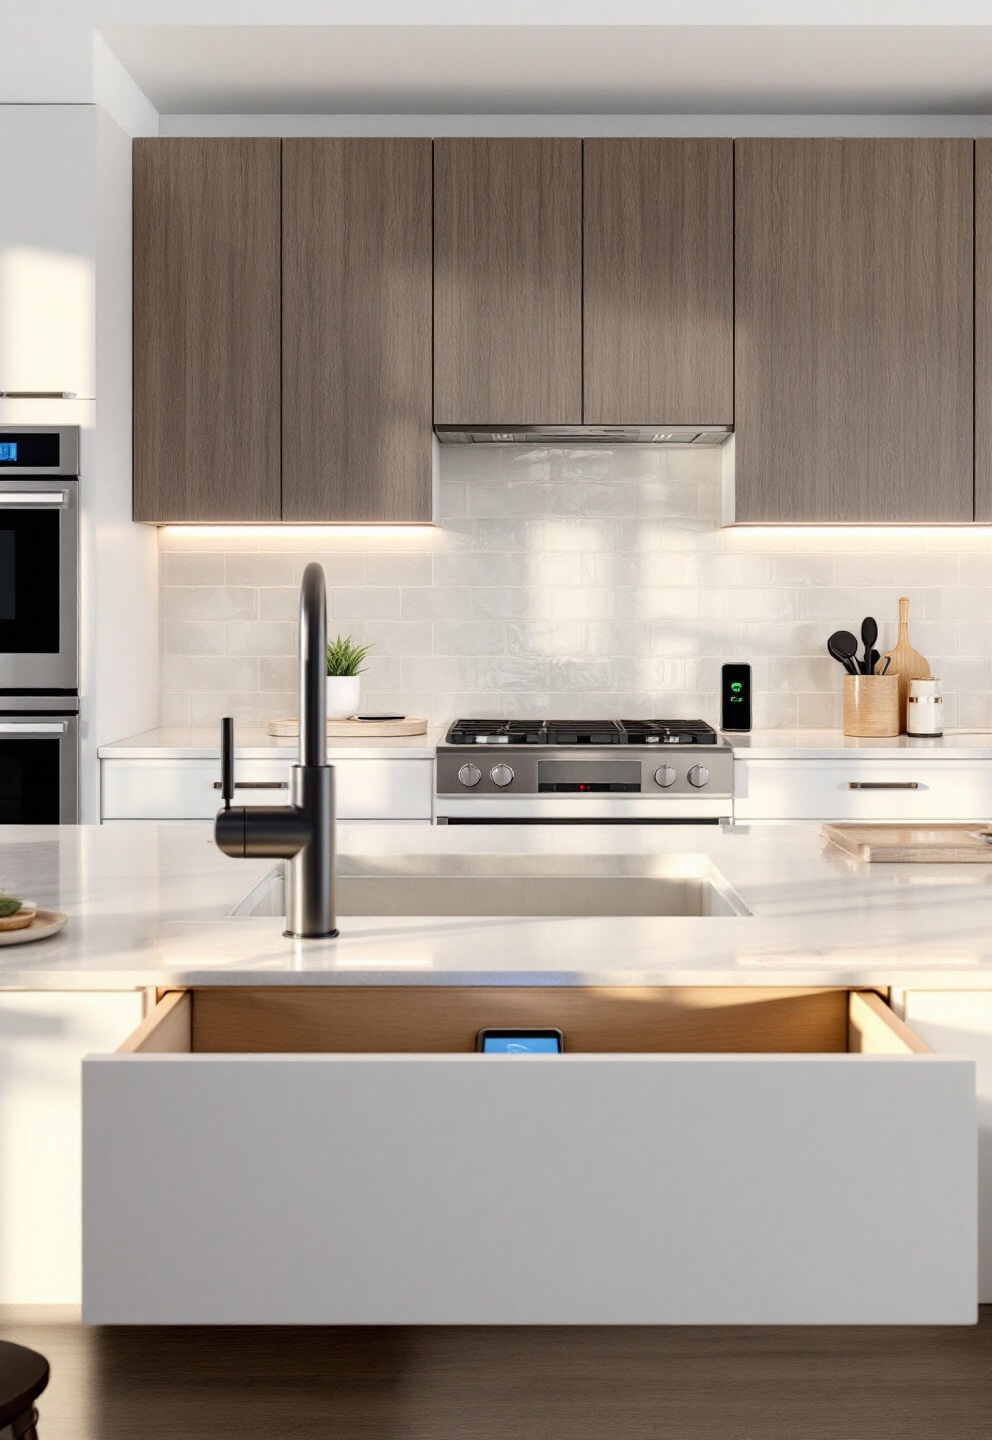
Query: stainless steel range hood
{"points": [[581, 435]]}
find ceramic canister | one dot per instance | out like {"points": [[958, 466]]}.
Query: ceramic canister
{"points": [[924, 708]]}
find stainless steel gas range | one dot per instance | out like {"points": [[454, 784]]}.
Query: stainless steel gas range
{"points": [[582, 771]]}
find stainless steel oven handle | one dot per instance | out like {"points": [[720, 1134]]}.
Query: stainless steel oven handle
{"points": [[32, 499], [33, 727]]}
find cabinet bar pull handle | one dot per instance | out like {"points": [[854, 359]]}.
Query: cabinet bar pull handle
{"points": [[255, 785], [885, 785], [37, 394]]}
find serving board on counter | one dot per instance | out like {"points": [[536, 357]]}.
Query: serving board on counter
{"points": [[924, 844], [289, 727]]}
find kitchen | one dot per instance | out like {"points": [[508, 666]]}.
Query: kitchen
{"points": [[593, 411]]}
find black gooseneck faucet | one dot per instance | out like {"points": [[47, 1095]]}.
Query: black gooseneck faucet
{"points": [[301, 833]]}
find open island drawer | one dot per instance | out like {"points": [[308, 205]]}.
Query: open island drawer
{"points": [[341, 1155]]}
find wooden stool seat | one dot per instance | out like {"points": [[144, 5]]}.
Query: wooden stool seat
{"points": [[23, 1377]]}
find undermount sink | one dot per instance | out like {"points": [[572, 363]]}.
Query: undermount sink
{"points": [[487, 885]]}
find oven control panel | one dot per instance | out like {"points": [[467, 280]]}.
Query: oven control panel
{"points": [[467, 771]]}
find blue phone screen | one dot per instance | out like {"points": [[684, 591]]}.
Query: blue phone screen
{"points": [[520, 1045]]}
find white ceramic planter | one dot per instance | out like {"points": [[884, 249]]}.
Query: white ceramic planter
{"points": [[342, 696]]}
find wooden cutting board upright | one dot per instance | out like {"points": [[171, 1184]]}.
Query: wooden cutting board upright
{"points": [[922, 844], [904, 661]]}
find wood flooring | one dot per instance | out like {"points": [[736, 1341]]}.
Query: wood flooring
{"points": [[514, 1384]]}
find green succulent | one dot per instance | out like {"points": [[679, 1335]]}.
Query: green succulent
{"points": [[344, 657], [9, 905]]}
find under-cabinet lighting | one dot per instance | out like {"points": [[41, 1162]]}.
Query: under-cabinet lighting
{"points": [[322, 532]]}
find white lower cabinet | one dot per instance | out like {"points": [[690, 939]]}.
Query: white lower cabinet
{"points": [[960, 1023], [341, 1156], [152, 789], [43, 1038], [859, 788]]}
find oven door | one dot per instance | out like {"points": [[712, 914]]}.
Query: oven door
{"points": [[39, 769], [39, 531]]}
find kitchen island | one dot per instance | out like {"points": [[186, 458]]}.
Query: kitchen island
{"points": [[151, 905], [743, 1128]]}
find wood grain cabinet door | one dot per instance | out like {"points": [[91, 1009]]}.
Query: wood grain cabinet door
{"points": [[206, 330], [658, 282], [356, 428], [983, 330], [854, 324], [508, 282]]}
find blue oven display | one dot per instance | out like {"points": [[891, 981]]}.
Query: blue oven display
{"points": [[8, 452]]}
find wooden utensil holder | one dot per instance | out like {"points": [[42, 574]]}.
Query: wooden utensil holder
{"points": [[871, 705]]}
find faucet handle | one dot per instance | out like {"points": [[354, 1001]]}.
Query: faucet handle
{"points": [[227, 760]]}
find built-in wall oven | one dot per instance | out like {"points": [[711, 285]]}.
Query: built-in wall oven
{"points": [[39, 624], [39, 760]]}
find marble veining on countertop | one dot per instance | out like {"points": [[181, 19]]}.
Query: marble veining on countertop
{"points": [[833, 745], [183, 743], [149, 904]]}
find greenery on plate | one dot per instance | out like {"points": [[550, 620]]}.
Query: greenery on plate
{"points": [[9, 905]]}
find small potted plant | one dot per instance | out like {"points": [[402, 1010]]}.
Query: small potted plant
{"points": [[344, 671]]}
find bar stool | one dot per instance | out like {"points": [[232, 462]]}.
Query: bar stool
{"points": [[23, 1376]]}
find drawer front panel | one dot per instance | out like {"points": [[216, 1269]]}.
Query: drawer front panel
{"points": [[662, 1189], [862, 790], [190, 789]]}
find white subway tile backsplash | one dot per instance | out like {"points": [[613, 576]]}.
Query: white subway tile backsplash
{"points": [[560, 581]]}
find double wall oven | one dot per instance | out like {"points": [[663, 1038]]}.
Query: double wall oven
{"points": [[39, 624]]}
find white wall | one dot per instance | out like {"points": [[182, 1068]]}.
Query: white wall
{"points": [[559, 581], [71, 235]]}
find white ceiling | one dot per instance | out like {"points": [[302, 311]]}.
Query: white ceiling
{"points": [[593, 70]]}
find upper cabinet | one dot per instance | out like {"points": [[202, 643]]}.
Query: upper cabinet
{"points": [[207, 239], [854, 323], [508, 282], [983, 330], [48, 252], [658, 282], [356, 324]]}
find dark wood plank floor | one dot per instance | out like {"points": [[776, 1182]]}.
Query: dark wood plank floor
{"points": [[583, 1384]]}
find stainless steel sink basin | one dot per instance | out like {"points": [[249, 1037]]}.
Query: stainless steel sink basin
{"points": [[546, 886]]}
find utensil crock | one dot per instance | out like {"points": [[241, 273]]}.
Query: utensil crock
{"points": [[871, 705]]}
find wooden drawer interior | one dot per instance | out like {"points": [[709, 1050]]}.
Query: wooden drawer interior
{"points": [[445, 1020]]}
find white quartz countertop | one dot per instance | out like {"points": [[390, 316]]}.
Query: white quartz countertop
{"points": [[833, 744], [178, 743], [149, 905]]}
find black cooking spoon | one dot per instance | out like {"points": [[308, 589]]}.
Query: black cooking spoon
{"points": [[843, 647], [869, 634]]}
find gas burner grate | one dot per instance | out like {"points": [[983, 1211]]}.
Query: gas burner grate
{"points": [[497, 732], [584, 732], [668, 732]]}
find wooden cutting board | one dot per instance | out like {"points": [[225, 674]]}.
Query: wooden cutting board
{"points": [[289, 727], [924, 844], [904, 661]]}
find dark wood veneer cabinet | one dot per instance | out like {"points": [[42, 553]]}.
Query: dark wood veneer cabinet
{"points": [[508, 282], [658, 282], [356, 388], [854, 323], [983, 330], [206, 330]]}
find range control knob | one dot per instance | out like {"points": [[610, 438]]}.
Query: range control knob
{"points": [[665, 775], [470, 775], [699, 776], [501, 775]]}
